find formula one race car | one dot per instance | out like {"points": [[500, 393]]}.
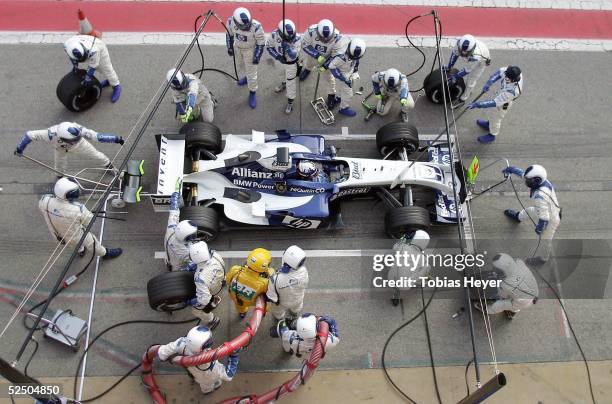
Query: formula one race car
{"points": [[254, 181]]}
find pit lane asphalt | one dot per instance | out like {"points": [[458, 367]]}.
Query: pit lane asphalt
{"points": [[561, 121]]}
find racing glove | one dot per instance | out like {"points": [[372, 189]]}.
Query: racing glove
{"points": [[354, 76], [378, 96], [404, 102], [255, 60], [20, 148], [214, 302], [191, 267], [321, 60], [541, 226], [486, 87], [333, 327], [88, 77], [349, 83], [230, 51], [512, 170], [186, 117]]}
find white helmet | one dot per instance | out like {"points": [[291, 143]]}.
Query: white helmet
{"points": [[420, 238], [306, 326], [294, 256], [307, 169], [186, 230], [66, 188], [286, 30], [179, 82], [466, 45], [199, 339], [503, 261], [76, 50], [325, 30], [392, 78], [199, 252], [356, 48], [68, 132], [535, 176], [242, 18]]}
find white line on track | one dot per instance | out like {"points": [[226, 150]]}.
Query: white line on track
{"points": [[374, 41]]}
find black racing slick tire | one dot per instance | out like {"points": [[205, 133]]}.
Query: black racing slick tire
{"points": [[201, 135], [171, 291], [76, 97], [433, 87], [397, 135], [205, 218], [405, 220]]}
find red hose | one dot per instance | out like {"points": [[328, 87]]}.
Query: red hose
{"points": [[205, 357], [308, 368]]}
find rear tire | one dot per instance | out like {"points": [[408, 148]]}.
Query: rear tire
{"points": [[206, 219], [170, 291], [433, 87], [201, 135], [397, 135], [406, 219], [69, 91]]}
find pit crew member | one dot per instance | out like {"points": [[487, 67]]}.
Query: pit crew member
{"points": [[345, 68], [192, 98], [389, 84], [298, 337], [511, 87], [246, 282], [93, 51], [245, 42], [284, 46], [546, 213], [209, 277], [67, 219], [210, 375], [287, 286], [319, 43], [476, 56], [70, 138], [518, 288], [178, 236]]}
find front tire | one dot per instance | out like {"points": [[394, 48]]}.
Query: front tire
{"points": [[201, 135], [206, 219], [396, 135], [433, 87], [171, 291], [405, 220]]}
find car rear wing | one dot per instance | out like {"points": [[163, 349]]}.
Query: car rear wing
{"points": [[170, 169]]}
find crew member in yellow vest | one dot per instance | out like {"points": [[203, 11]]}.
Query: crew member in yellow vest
{"points": [[246, 282]]}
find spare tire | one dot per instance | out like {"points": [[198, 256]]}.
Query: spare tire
{"points": [[397, 134], [76, 97], [405, 220], [206, 219], [433, 87], [201, 135], [171, 291]]}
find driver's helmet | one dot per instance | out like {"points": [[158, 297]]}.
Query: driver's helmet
{"points": [[307, 169]]}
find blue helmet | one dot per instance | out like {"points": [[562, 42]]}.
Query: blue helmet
{"points": [[356, 48], [76, 50], [325, 30], [535, 176], [69, 132], [286, 30], [66, 188], [179, 81], [242, 18]]}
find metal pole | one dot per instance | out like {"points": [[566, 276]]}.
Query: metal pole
{"points": [[100, 205], [453, 176], [492, 386]]}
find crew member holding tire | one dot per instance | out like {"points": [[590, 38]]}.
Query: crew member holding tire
{"points": [[93, 51], [245, 41], [511, 87], [391, 83], [209, 277], [210, 376], [247, 282], [67, 219], [287, 286], [192, 98], [476, 56], [71, 138], [178, 236]]}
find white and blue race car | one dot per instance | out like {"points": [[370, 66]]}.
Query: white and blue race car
{"points": [[253, 181]]}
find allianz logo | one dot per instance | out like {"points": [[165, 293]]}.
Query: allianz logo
{"points": [[247, 172]]}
